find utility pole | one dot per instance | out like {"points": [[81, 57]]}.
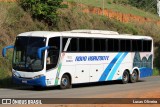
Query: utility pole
{"points": [[158, 7]]}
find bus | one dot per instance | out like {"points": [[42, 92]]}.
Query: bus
{"points": [[45, 58]]}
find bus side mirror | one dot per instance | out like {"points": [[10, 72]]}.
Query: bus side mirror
{"points": [[40, 51], [4, 51]]}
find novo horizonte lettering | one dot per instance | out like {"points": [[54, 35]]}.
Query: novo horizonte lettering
{"points": [[91, 58]]}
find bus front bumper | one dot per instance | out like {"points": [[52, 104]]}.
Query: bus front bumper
{"points": [[33, 82]]}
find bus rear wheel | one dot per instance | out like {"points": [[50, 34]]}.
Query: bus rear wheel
{"points": [[125, 77], [65, 82], [134, 77]]}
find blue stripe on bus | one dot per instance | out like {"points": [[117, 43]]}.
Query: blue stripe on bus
{"points": [[116, 66], [109, 67]]}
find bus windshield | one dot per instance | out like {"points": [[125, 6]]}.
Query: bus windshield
{"points": [[25, 54]]}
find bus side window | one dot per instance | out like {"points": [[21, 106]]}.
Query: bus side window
{"points": [[97, 45], [89, 43], [110, 45], [122, 45], [134, 46], [103, 45], [147, 44], [116, 45], [64, 41], [73, 45], [128, 45], [140, 47]]}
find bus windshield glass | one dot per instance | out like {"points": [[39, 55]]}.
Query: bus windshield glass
{"points": [[25, 54]]}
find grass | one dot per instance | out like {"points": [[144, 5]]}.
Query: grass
{"points": [[13, 20], [75, 19], [5, 70], [156, 72], [108, 4]]}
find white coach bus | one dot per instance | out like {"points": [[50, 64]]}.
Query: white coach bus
{"points": [[43, 58]]}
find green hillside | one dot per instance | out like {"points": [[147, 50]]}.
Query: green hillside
{"points": [[14, 20], [113, 5]]}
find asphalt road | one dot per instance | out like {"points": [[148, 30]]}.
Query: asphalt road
{"points": [[106, 89]]}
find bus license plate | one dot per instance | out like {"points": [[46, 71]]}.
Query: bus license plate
{"points": [[24, 81]]}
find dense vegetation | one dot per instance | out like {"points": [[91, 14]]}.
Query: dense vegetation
{"points": [[43, 10], [147, 5], [14, 20]]}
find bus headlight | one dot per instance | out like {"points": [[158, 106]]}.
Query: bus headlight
{"points": [[16, 74], [38, 76]]}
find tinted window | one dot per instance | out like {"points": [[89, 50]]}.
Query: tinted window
{"points": [[82, 44], [128, 45], [110, 45], [113, 45], [139, 45], [134, 45], [73, 45], [64, 41], [89, 45], [55, 42], [78, 44], [147, 44], [122, 45], [116, 45], [103, 45], [25, 54], [97, 45], [106, 47]]}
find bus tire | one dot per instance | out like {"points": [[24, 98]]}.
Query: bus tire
{"points": [[65, 82], [134, 77], [125, 77]]}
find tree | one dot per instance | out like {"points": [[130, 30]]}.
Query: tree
{"points": [[45, 10], [147, 5]]}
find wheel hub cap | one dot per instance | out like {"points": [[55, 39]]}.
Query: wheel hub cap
{"points": [[64, 81], [134, 76]]}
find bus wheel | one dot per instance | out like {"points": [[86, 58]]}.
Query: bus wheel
{"points": [[134, 77], [125, 77], [65, 82]]}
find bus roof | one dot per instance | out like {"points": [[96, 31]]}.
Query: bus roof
{"points": [[83, 33]]}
